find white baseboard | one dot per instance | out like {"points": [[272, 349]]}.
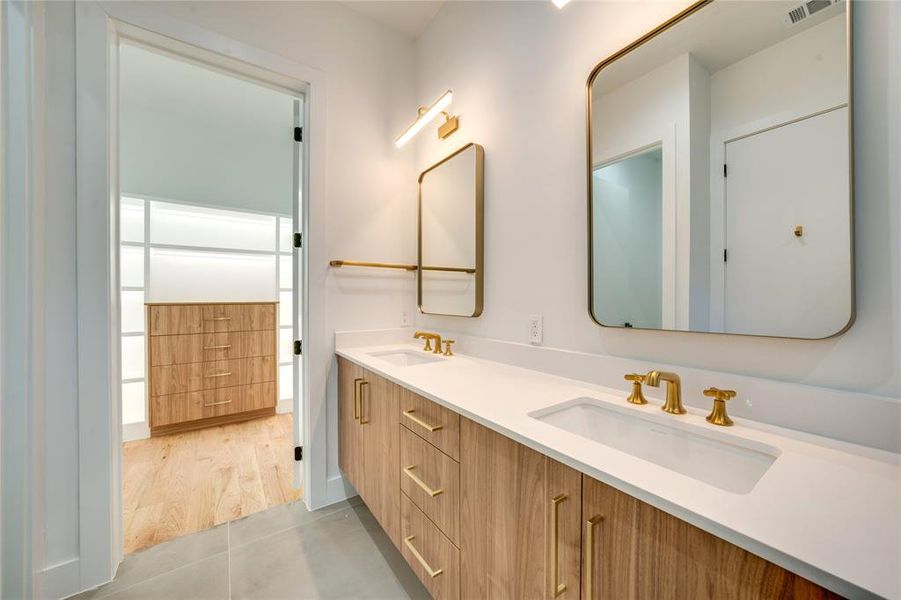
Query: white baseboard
{"points": [[135, 431], [337, 489], [284, 406], [61, 580]]}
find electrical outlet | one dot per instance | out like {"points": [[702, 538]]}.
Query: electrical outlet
{"points": [[404, 318], [536, 328]]}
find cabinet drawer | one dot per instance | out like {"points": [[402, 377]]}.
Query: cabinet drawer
{"points": [[432, 422], [205, 347], [180, 408], [171, 319], [434, 559], [175, 379], [431, 479]]}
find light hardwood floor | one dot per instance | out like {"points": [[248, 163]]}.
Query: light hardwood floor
{"points": [[186, 482]]}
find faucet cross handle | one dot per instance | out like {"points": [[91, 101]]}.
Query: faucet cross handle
{"points": [[636, 396], [718, 415]]}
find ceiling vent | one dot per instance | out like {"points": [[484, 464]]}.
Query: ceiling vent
{"points": [[811, 7]]}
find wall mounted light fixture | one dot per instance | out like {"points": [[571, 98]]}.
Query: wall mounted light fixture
{"points": [[426, 114]]}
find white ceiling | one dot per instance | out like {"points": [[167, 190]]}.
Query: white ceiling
{"points": [[410, 17]]}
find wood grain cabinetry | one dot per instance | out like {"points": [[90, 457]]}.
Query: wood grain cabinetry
{"points": [[369, 446], [520, 519], [478, 515], [210, 364]]}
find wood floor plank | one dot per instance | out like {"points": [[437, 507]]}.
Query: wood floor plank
{"points": [[186, 482]]}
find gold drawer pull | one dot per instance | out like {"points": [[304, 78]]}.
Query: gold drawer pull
{"points": [[229, 401], [408, 471], [219, 319], [220, 374], [408, 541], [357, 383], [421, 423], [364, 385], [222, 347], [557, 588], [589, 550]]}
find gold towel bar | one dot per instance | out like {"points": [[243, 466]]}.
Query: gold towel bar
{"points": [[377, 265]]}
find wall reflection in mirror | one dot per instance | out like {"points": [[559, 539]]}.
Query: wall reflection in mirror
{"points": [[451, 215], [720, 175]]}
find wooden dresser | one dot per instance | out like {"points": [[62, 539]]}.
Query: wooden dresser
{"points": [[210, 364]]}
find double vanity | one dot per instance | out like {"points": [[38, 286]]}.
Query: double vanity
{"points": [[498, 481]]}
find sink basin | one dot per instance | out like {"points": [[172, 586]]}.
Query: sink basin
{"points": [[406, 358], [726, 461]]}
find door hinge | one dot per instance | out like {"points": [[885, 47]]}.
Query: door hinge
{"points": [[725, 170], [298, 134], [298, 453], [298, 347], [725, 255], [298, 240]]}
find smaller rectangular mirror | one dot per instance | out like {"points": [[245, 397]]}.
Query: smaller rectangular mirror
{"points": [[451, 225]]}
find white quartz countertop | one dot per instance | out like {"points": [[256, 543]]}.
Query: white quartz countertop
{"points": [[826, 510]]}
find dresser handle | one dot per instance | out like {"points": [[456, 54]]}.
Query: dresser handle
{"points": [[222, 374], [229, 401], [222, 347], [408, 471], [557, 588], [219, 319], [589, 550], [421, 423], [408, 541]]}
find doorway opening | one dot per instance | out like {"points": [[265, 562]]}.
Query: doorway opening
{"points": [[210, 176]]}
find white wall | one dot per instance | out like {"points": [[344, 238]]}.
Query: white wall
{"points": [[514, 63], [370, 191]]}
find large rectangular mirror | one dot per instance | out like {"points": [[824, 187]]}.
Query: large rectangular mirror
{"points": [[451, 226], [719, 176]]}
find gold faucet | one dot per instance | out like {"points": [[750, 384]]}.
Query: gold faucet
{"points": [[673, 404], [428, 337], [636, 397]]}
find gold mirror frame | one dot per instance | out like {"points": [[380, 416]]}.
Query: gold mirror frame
{"points": [[479, 232], [666, 25]]}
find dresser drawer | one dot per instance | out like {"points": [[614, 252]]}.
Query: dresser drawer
{"points": [[431, 479], [432, 422], [434, 559], [180, 408], [204, 347], [172, 319], [176, 379]]}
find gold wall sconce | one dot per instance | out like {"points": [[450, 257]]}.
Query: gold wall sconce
{"points": [[426, 115]]}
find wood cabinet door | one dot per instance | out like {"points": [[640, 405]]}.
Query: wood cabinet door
{"points": [[608, 542], [349, 431], [380, 447], [519, 511]]}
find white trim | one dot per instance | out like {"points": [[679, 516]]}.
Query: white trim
{"points": [[97, 31], [58, 580], [135, 431]]}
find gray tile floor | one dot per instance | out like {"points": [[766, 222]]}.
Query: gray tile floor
{"points": [[282, 552]]}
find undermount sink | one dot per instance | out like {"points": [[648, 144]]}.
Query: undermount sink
{"points": [[728, 462], [406, 358]]}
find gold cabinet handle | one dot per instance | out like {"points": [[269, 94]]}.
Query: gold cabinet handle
{"points": [[357, 383], [219, 374], [557, 588], [408, 542], [421, 423], [364, 385], [229, 401], [589, 551], [408, 471], [222, 347], [219, 319]]}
